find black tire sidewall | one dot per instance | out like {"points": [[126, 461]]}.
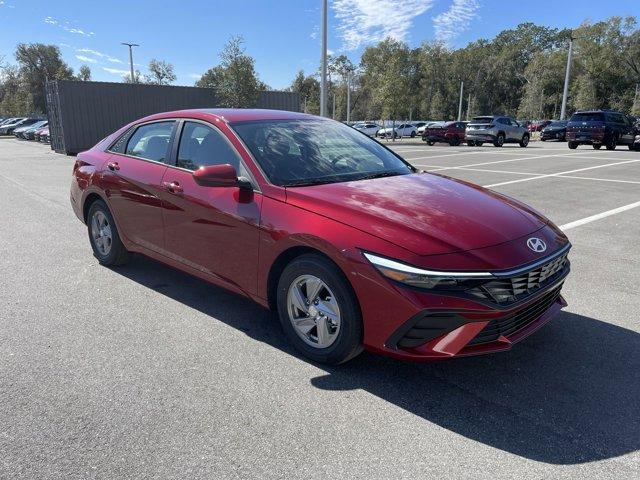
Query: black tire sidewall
{"points": [[349, 341], [117, 251]]}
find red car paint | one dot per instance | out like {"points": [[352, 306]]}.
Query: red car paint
{"points": [[234, 238], [451, 133]]}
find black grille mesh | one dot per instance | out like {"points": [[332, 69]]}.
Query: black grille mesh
{"points": [[511, 324], [507, 290]]}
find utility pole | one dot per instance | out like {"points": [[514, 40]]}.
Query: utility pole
{"points": [[460, 104], [469, 106], [348, 96], [323, 63], [131, 45], [565, 93]]}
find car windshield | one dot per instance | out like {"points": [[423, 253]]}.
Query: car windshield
{"points": [[558, 124], [588, 117], [315, 151]]}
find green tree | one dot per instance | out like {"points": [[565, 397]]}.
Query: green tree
{"points": [[234, 79], [37, 64], [160, 73], [309, 89], [84, 74]]}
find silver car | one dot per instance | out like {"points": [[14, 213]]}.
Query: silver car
{"points": [[497, 130]]}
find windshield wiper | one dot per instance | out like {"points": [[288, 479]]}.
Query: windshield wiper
{"points": [[380, 175]]}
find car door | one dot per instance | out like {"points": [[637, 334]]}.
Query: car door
{"points": [[627, 132], [132, 180], [211, 229]]}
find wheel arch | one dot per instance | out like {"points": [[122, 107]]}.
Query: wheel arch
{"points": [[88, 201], [285, 258]]}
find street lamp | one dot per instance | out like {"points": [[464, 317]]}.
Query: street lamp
{"points": [[131, 45], [323, 63], [567, 75]]}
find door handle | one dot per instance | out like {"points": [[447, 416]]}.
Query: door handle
{"points": [[113, 166], [173, 187]]}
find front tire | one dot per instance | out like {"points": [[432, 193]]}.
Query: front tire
{"points": [[319, 311], [572, 145], [525, 140], [104, 237], [612, 143], [430, 143], [499, 141], [597, 146]]}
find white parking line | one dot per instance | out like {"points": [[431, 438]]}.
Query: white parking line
{"points": [[600, 179], [497, 161], [598, 216], [558, 174]]}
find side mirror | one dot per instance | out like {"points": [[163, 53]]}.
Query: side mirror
{"points": [[216, 176]]}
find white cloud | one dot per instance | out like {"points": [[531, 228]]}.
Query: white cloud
{"points": [[115, 71], [67, 27], [195, 76], [96, 53], [82, 58], [448, 25], [363, 22]]}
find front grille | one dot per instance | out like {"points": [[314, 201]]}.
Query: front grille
{"points": [[508, 290], [511, 324]]}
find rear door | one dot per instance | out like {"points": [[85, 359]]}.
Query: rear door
{"points": [[211, 229], [132, 179]]}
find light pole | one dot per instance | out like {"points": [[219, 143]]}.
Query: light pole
{"points": [[567, 75], [349, 96], [323, 63], [131, 45], [460, 104]]}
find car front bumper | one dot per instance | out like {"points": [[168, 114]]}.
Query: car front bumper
{"points": [[422, 325]]}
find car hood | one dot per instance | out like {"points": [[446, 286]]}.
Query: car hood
{"points": [[427, 214]]}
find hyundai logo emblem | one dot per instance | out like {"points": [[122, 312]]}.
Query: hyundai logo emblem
{"points": [[536, 245]]}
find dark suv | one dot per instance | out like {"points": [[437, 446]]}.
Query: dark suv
{"points": [[600, 127]]}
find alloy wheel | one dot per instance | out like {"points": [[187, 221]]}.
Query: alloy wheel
{"points": [[101, 233], [313, 311]]}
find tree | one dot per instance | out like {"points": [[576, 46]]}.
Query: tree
{"points": [[84, 74], [37, 64], [235, 79], [160, 73], [126, 78], [309, 89]]}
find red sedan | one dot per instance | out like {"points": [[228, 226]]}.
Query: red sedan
{"points": [[353, 246]]}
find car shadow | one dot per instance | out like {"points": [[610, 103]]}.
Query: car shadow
{"points": [[568, 394]]}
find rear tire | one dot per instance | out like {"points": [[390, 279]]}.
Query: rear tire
{"points": [[597, 146], [430, 143], [525, 140], [572, 145], [499, 141], [347, 342], [104, 237], [454, 142], [413, 134], [612, 143]]}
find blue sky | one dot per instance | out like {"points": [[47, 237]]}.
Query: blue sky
{"points": [[282, 35]]}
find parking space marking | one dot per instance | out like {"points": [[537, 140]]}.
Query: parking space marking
{"points": [[498, 161], [559, 174], [598, 216]]}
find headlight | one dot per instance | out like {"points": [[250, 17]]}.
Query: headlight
{"points": [[430, 279]]}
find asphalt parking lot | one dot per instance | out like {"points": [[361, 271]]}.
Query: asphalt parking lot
{"points": [[144, 372]]}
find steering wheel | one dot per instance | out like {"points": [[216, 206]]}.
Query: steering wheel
{"points": [[350, 162]]}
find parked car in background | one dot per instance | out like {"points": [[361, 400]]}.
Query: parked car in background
{"points": [[600, 127], [556, 130], [22, 131], [497, 130], [29, 134], [367, 128], [636, 142], [44, 136], [450, 132], [361, 245], [39, 132], [422, 128], [538, 125], [23, 122], [401, 130]]}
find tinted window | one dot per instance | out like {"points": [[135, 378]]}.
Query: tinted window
{"points": [[151, 141], [615, 118], [304, 152], [588, 117], [201, 145]]}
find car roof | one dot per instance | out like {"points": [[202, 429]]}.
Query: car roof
{"points": [[234, 114]]}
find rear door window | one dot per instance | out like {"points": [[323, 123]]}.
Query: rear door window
{"points": [[151, 141]]}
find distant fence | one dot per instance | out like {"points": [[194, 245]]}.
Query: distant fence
{"points": [[82, 113]]}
